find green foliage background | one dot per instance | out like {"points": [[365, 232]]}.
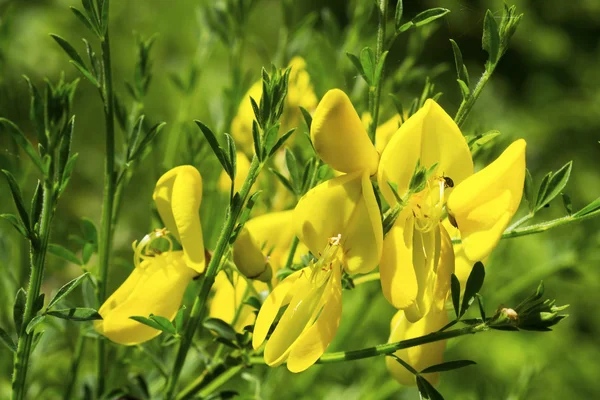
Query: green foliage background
{"points": [[546, 90]]}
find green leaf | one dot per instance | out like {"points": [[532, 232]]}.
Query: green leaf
{"points": [[66, 289], [448, 366], [556, 183], [455, 292], [283, 180], [307, 117], [404, 364], [292, 166], [357, 64], [164, 323], [65, 146], [368, 63], [39, 303], [147, 321], [491, 38], [431, 391], [253, 302], [104, 16], [567, 203], [91, 11], [87, 252], [528, 190], [464, 89], [179, 319], [66, 177], [216, 148], [35, 321], [16, 223], [428, 16], [83, 19], [281, 141], [590, 208], [473, 286], [221, 328], [379, 69], [37, 202], [7, 340], [66, 254], [398, 14], [461, 70], [480, 304], [76, 314], [70, 50], [22, 142], [19, 309], [37, 114], [90, 233], [232, 155]]}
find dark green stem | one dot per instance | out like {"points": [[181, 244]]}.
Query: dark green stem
{"points": [[212, 386], [38, 257], [467, 104], [74, 367], [109, 194], [388, 348], [197, 313], [375, 91]]}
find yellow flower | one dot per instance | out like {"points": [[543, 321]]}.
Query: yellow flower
{"points": [[228, 298], [300, 93], [249, 258], [340, 223], [484, 205], [157, 283]]}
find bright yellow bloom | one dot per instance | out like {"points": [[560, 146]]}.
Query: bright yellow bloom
{"points": [[228, 297], [249, 258], [157, 283], [300, 93], [340, 223]]}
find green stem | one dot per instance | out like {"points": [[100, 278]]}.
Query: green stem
{"points": [[213, 385], [109, 193], [198, 308], [375, 91], [542, 227], [388, 348], [467, 104], [38, 257], [74, 366]]}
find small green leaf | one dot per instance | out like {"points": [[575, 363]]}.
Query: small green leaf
{"points": [[22, 142], [398, 14], [66, 177], [231, 155], [39, 303], [357, 64], [556, 183], [35, 321], [164, 323], [90, 233], [461, 70], [36, 114], [178, 321], [368, 63], [431, 391], [455, 292], [281, 141], [528, 190], [16, 223], [480, 304], [283, 180], [76, 314], [147, 321], [567, 203], [491, 38], [253, 302], [404, 364], [37, 202], [590, 208], [448, 366], [473, 286], [70, 50], [216, 148], [66, 289], [221, 328], [464, 89], [83, 19], [19, 309], [428, 16], [292, 166], [379, 69], [7, 340], [66, 254], [307, 117]]}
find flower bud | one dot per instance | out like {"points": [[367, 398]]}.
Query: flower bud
{"points": [[249, 258]]}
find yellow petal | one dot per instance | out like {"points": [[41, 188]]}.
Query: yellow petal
{"points": [[339, 136], [249, 258], [385, 131], [419, 357], [241, 125], [398, 279], [484, 204], [345, 205], [228, 298], [279, 297], [302, 310], [444, 270], [431, 136], [274, 232], [156, 287], [313, 342], [242, 168], [178, 195]]}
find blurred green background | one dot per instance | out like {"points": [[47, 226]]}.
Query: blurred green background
{"points": [[546, 90]]}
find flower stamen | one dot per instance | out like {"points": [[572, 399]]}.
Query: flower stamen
{"points": [[142, 250]]}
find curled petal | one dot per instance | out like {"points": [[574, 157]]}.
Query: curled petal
{"points": [[419, 357], [279, 297], [178, 195], [156, 287], [339, 136], [444, 270], [313, 342], [344, 206], [431, 136], [484, 204]]}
